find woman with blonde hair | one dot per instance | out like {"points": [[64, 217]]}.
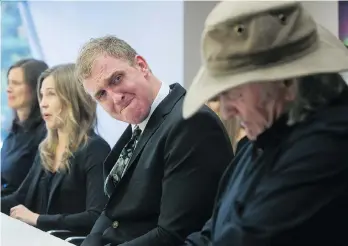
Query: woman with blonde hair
{"points": [[64, 188], [233, 127]]}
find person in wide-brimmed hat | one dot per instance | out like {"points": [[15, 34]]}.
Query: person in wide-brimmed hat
{"points": [[278, 71]]}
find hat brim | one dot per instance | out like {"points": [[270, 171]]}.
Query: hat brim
{"points": [[331, 56]]}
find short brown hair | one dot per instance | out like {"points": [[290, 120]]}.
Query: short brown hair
{"points": [[109, 45]]}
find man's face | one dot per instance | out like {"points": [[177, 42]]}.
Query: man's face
{"points": [[124, 91], [256, 105]]}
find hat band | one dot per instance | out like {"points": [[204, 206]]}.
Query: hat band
{"points": [[245, 62]]}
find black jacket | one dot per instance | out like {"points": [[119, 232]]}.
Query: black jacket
{"points": [[290, 187], [18, 153], [169, 187], [75, 199]]}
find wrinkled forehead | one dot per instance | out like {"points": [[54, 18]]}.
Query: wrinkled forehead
{"points": [[255, 89], [234, 90], [102, 68]]}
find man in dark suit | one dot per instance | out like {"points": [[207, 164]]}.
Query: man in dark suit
{"points": [[163, 173]]}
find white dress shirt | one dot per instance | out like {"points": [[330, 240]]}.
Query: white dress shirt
{"points": [[163, 92]]}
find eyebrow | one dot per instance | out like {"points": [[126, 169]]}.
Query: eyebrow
{"points": [[14, 80], [106, 80], [48, 88]]}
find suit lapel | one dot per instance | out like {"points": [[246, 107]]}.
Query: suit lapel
{"points": [[150, 129], [156, 120], [32, 188], [56, 181], [58, 178], [111, 159]]}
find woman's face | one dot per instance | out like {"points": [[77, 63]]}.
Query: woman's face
{"points": [[215, 106], [50, 104], [19, 94]]}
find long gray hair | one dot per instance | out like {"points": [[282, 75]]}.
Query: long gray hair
{"points": [[314, 92]]}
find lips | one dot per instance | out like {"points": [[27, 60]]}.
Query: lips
{"points": [[127, 104], [45, 115]]}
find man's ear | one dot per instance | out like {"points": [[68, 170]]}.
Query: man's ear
{"points": [[142, 64], [291, 88]]}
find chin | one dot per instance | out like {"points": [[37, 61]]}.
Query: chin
{"points": [[139, 115], [50, 126], [138, 119], [13, 106]]}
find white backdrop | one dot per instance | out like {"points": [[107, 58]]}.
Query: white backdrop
{"points": [[154, 29]]}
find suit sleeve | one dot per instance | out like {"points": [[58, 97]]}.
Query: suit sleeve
{"points": [[310, 178], [196, 153], [95, 237], [14, 177], [19, 196], [200, 238], [95, 200]]}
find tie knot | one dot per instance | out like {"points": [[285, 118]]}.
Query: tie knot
{"points": [[136, 132]]}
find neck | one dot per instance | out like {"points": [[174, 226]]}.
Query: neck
{"points": [[63, 137], [23, 114], [156, 87]]}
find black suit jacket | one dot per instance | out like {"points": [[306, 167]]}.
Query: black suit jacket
{"points": [[18, 154], [168, 189], [76, 199]]}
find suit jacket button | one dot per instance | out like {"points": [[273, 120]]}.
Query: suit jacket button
{"points": [[115, 224]]}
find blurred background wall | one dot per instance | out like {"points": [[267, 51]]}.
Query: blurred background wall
{"points": [[166, 33]]}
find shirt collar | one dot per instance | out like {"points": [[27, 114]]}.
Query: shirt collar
{"points": [[163, 92]]}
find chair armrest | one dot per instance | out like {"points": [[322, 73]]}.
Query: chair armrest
{"points": [[75, 240], [62, 234]]}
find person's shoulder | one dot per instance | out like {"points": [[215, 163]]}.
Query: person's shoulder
{"points": [[316, 145], [97, 142], [95, 149], [37, 160], [241, 144], [204, 124], [41, 130], [203, 115], [94, 144]]}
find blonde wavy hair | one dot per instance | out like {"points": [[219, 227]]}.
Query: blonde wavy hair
{"points": [[78, 115], [232, 126]]}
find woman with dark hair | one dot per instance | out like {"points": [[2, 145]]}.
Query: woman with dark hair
{"points": [[27, 129]]}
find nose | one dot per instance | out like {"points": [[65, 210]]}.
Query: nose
{"points": [[9, 89], [43, 103], [117, 97]]}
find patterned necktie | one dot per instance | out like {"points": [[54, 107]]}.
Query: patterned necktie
{"points": [[119, 168]]}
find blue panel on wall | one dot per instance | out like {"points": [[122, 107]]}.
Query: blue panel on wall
{"points": [[16, 44]]}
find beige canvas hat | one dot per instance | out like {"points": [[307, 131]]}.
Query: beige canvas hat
{"points": [[259, 41]]}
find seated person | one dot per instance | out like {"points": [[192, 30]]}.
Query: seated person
{"points": [[277, 70], [163, 173], [64, 188], [27, 130], [233, 126]]}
